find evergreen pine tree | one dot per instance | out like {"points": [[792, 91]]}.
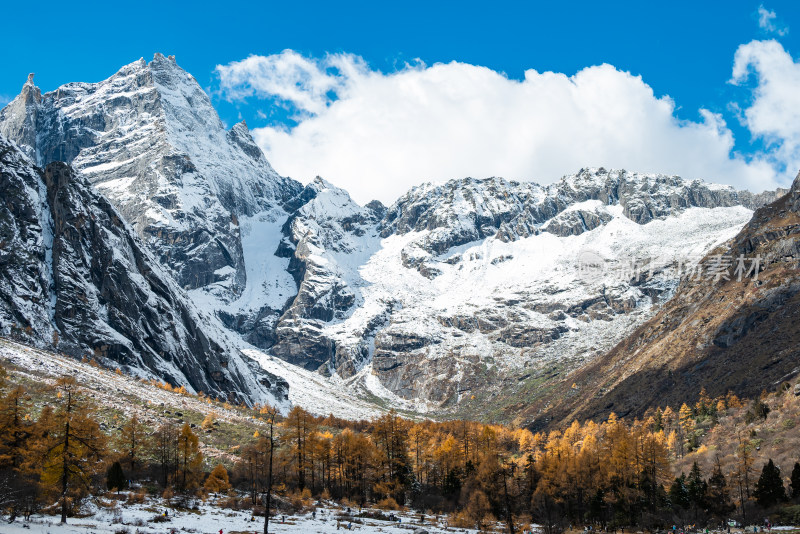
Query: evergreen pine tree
{"points": [[795, 484], [696, 490], [115, 478], [769, 488], [718, 496], [696, 486], [678, 494]]}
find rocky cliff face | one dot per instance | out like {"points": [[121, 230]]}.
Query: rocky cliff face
{"points": [[149, 139], [27, 299], [458, 295], [467, 210], [477, 294], [723, 330], [330, 236], [74, 276]]}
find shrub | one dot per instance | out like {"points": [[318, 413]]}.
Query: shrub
{"points": [[217, 481], [299, 502], [388, 504], [758, 410], [789, 515], [137, 497]]}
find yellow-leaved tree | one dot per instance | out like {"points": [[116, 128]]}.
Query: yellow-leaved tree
{"points": [[72, 448], [190, 459], [17, 471], [217, 481], [132, 442]]}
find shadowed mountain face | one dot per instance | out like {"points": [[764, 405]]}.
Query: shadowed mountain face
{"points": [[149, 139], [74, 276], [740, 334], [459, 296]]}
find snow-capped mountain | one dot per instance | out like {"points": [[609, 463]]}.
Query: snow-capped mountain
{"points": [[75, 277], [458, 293], [476, 290], [734, 332], [149, 139]]}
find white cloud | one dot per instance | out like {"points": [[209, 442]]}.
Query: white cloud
{"points": [[288, 76], [774, 113], [378, 134], [767, 19]]}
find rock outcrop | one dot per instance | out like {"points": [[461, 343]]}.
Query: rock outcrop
{"points": [[733, 328], [75, 277], [149, 139], [458, 294]]}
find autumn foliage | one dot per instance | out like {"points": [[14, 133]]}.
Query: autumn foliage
{"points": [[691, 464]]}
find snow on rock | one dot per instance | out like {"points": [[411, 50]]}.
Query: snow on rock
{"points": [[78, 278], [460, 286], [456, 289], [26, 234], [150, 140], [330, 238]]}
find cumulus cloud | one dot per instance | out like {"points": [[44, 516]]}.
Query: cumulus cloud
{"points": [[287, 76], [377, 134], [774, 114], [767, 21]]}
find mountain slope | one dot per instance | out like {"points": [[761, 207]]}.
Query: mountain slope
{"points": [[74, 276], [738, 334], [475, 295], [459, 296], [149, 139]]}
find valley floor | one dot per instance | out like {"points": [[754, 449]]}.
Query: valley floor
{"points": [[148, 518]]}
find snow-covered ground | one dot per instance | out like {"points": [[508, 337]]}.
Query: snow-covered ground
{"points": [[138, 518], [107, 386], [318, 394]]}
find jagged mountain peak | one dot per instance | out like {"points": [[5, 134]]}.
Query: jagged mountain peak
{"points": [[795, 191], [81, 281], [18, 118], [478, 208], [158, 56], [423, 298], [149, 139]]}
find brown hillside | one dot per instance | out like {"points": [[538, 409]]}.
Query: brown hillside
{"points": [[734, 335]]}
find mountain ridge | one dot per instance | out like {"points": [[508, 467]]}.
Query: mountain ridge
{"points": [[458, 294], [75, 277], [735, 334]]}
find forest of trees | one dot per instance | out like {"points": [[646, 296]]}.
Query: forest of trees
{"points": [[612, 474]]}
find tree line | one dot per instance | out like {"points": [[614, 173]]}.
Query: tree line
{"points": [[612, 474]]}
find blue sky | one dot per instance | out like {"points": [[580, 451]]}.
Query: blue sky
{"points": [[683, 50]]}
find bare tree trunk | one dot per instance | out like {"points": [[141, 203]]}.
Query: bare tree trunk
{"points": [[509, 515], [65, 463], [269, 471]]}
